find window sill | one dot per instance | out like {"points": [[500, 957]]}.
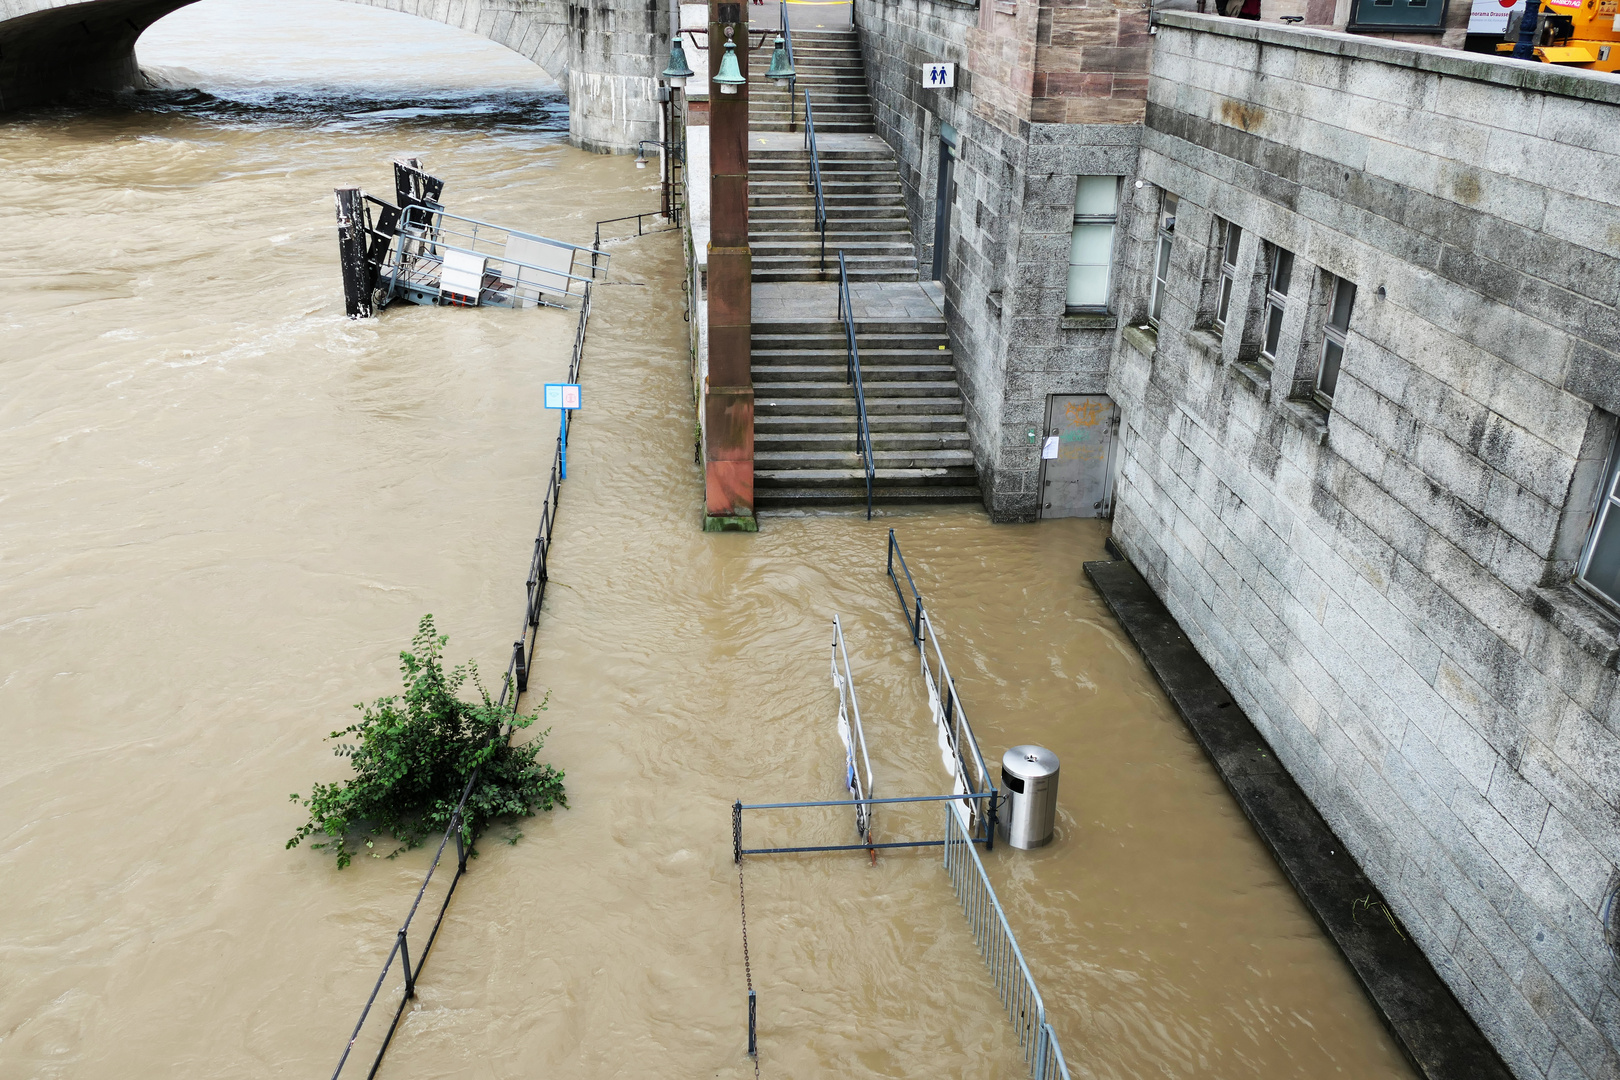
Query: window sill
{"points": [[1591, 627], [1144, 339], [1089, 320], [1255, 377], [1207, 342], [1310, 416]]}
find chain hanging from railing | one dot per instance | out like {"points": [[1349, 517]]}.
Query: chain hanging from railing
{"points": [[513, 683]]}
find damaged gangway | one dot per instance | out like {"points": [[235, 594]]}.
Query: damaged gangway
{"points": [[415, 251], [970, 817]]}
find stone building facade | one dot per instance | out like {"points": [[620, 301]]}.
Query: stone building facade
{"points": [[1382, 573], [1045, 93]]}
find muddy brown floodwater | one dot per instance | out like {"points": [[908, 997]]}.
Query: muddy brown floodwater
{"points": [[223, 508]]}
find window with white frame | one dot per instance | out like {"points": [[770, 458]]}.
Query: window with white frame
{"points": [[1231, 236], [1599, 568], [1161, 254], [1091, 249], [1333, 337], [1279, 273]]}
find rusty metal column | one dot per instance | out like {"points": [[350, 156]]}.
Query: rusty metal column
{"points": [[728, 394]]}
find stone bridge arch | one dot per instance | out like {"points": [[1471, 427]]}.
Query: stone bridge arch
{"points": [[604, 53]]}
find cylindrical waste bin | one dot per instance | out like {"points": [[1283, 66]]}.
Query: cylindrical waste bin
{"points": [[1029, 774]]}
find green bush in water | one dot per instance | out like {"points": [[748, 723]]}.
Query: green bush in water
{"points": [[413, 755]]}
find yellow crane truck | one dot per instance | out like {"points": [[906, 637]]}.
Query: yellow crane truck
{"points": [[1573, 33]]}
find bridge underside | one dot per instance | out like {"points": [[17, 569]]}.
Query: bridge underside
{"points": [[604, 54], [57, 52]]}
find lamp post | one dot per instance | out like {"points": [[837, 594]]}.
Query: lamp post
{"points": [[728, 391], [1525, 47], [674, 76]]}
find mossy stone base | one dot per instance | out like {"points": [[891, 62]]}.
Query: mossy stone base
{"points": [[730, 523]]}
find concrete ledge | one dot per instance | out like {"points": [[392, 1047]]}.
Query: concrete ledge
{"points": [[1481, 67], [1439, 1038]]}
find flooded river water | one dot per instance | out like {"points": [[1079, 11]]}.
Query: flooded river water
{"points": [[223, 509]]}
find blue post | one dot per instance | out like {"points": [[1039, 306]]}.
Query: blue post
{"points": [[562, 443]]}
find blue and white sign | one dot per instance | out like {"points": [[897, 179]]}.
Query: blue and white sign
{"points": [[562, 395], [938, 76]]}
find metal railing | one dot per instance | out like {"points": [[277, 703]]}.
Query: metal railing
{"points": [[787, 31], [673, 217], [1009, 973], [852, 735], [514, 682], [958, 746], [987, 838], [815, 177], [863, 428], [509, 274]]}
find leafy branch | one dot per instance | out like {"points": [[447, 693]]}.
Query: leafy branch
{"points": [[413, 756]]}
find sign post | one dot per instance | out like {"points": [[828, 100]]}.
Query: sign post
{"points": [[564, 397]]}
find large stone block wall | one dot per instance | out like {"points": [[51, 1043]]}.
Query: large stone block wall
{"points": [[1385, 587], [1007, 267]]}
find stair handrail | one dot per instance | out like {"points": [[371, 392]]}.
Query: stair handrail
{"points": [[815, 177], [863, 429], [787, 44]]}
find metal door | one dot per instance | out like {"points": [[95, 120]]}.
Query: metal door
{"points": [[1077, 469]]}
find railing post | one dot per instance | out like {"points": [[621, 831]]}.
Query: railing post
{"points": [[736, 832], [522, 666], [753, 1042], [461, 846], [405, 954], [990, 823]]}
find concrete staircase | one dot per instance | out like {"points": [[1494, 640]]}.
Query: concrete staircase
{"points": [[805, 419], [805, 424], [829, 66], [860, 180]]}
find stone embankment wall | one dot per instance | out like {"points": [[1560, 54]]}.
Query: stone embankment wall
{"points": [[1385, 585], [1045, 94]]}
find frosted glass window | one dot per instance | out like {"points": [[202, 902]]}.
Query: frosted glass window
{"points": [[1231, 237], [1278, 279], [1168, 205], [1600, 562], [1333, 340], [1091, 247]]}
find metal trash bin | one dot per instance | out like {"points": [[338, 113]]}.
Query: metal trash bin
{"points": [[1029, 775]]}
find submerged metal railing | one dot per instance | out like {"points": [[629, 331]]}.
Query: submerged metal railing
{"points": [[958, 746], [852, 735], [863, 428], [815, 177], [514, 682], [1009, 973], [440, 257]]}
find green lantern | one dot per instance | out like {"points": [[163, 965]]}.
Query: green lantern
{"points": [[781, 66], [679, 70], [730, 75]]}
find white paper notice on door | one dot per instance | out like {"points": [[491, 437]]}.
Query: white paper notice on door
{"points": [[1049, 448]]}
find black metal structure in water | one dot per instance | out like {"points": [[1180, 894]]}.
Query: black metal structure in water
{"points": [[513, 683], [418, 252]]}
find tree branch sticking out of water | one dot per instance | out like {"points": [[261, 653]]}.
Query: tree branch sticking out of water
{"points": [[412, 757]]}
